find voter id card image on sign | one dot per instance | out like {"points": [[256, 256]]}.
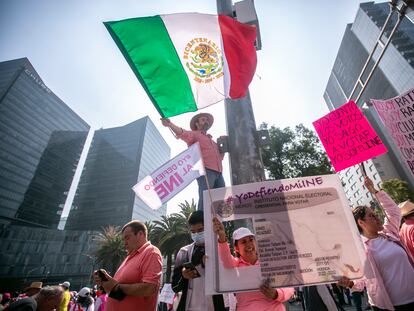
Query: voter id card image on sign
{"points": [[303, 230]]}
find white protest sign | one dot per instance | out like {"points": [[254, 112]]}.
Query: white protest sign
{"points": [[397, 114], [304, 230], [167, 294], [172, 177]]}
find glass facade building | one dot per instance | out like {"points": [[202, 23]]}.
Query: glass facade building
{"points": [[393, 76], [30, 254], [118, 158], [41, 140]]}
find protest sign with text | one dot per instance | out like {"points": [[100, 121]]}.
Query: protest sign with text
{"points": [[167, 294], [304, 230], [172, 177], [347, 137], [397, 114]]}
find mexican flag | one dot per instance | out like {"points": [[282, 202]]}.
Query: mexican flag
{"points": [[187, 61]]}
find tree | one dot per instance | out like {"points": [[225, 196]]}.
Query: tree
{"points": [[398, 190], [171, 233], [111, 251], [187, 208], [150, 232], [294, 153]]}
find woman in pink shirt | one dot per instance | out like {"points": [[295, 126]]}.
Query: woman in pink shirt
{"points": [[391, 287], [266, 298]]}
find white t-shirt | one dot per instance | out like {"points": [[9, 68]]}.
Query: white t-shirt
{"points": [[395, 268], [199, 301]]}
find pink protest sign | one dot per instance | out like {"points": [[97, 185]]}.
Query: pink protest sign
{"points": [[347, 137], [397, 114]]}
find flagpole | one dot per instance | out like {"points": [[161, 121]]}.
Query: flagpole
{"points": [[210, 196], [246, 165]]}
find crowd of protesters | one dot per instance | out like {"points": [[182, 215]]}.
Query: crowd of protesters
{"points": [[54, 297], [136, 284], [389, 246]]}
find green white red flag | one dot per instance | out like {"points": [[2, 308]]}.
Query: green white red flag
{"points": [[188, 61]]}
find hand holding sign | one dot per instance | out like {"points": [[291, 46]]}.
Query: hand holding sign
{"points": [[218, 229]]}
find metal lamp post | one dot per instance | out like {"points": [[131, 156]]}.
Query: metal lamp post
{"points": [[243, 141]]}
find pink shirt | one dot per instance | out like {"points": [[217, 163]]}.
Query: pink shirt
{"points": [[141, 266], [212, 158], [407, 235], [377, 292], [253, 301]]}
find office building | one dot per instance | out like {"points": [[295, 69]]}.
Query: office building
{"points": [[394, 76], [41, 139], [118, 158], [29, 254]]}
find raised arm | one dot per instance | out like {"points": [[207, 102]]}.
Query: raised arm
{"points": [[223, 247], [190, 137], [391, 209], [176, 129]]}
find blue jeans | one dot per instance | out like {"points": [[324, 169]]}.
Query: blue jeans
{"points": [[215, 180]]}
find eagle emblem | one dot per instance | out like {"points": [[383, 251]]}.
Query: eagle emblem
{"points": [[204, 60]]}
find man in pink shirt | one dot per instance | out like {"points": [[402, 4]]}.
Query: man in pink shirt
{"points": [[135, 285], [407, 229], [210, 153]]}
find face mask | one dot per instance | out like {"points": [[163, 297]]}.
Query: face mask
{"points": [[198, 237]]}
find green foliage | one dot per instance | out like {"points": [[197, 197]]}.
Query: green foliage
{"points": [[187, 208], [111, 251], [294, 153], [171, 233], [150, 232], [398, 190]]}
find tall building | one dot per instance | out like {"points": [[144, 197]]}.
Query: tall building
{"points": [[394, 76], [118, 158], [52, 256], [41, 139]]}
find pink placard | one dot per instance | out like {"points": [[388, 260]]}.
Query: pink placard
{"points": [[347, 137], [397, 114]]}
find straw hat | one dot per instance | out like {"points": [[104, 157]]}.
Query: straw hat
{"points": [[406, 208], [194, 119], [35, 285]]}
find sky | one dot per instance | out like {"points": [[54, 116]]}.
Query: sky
{"points": [[75, 56]]}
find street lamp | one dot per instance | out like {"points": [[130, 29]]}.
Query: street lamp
{"points": [[243, 142]]}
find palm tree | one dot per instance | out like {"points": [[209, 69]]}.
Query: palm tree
{"points": [[111, 251], [187, 208], [171, 234], [150, 232]]}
